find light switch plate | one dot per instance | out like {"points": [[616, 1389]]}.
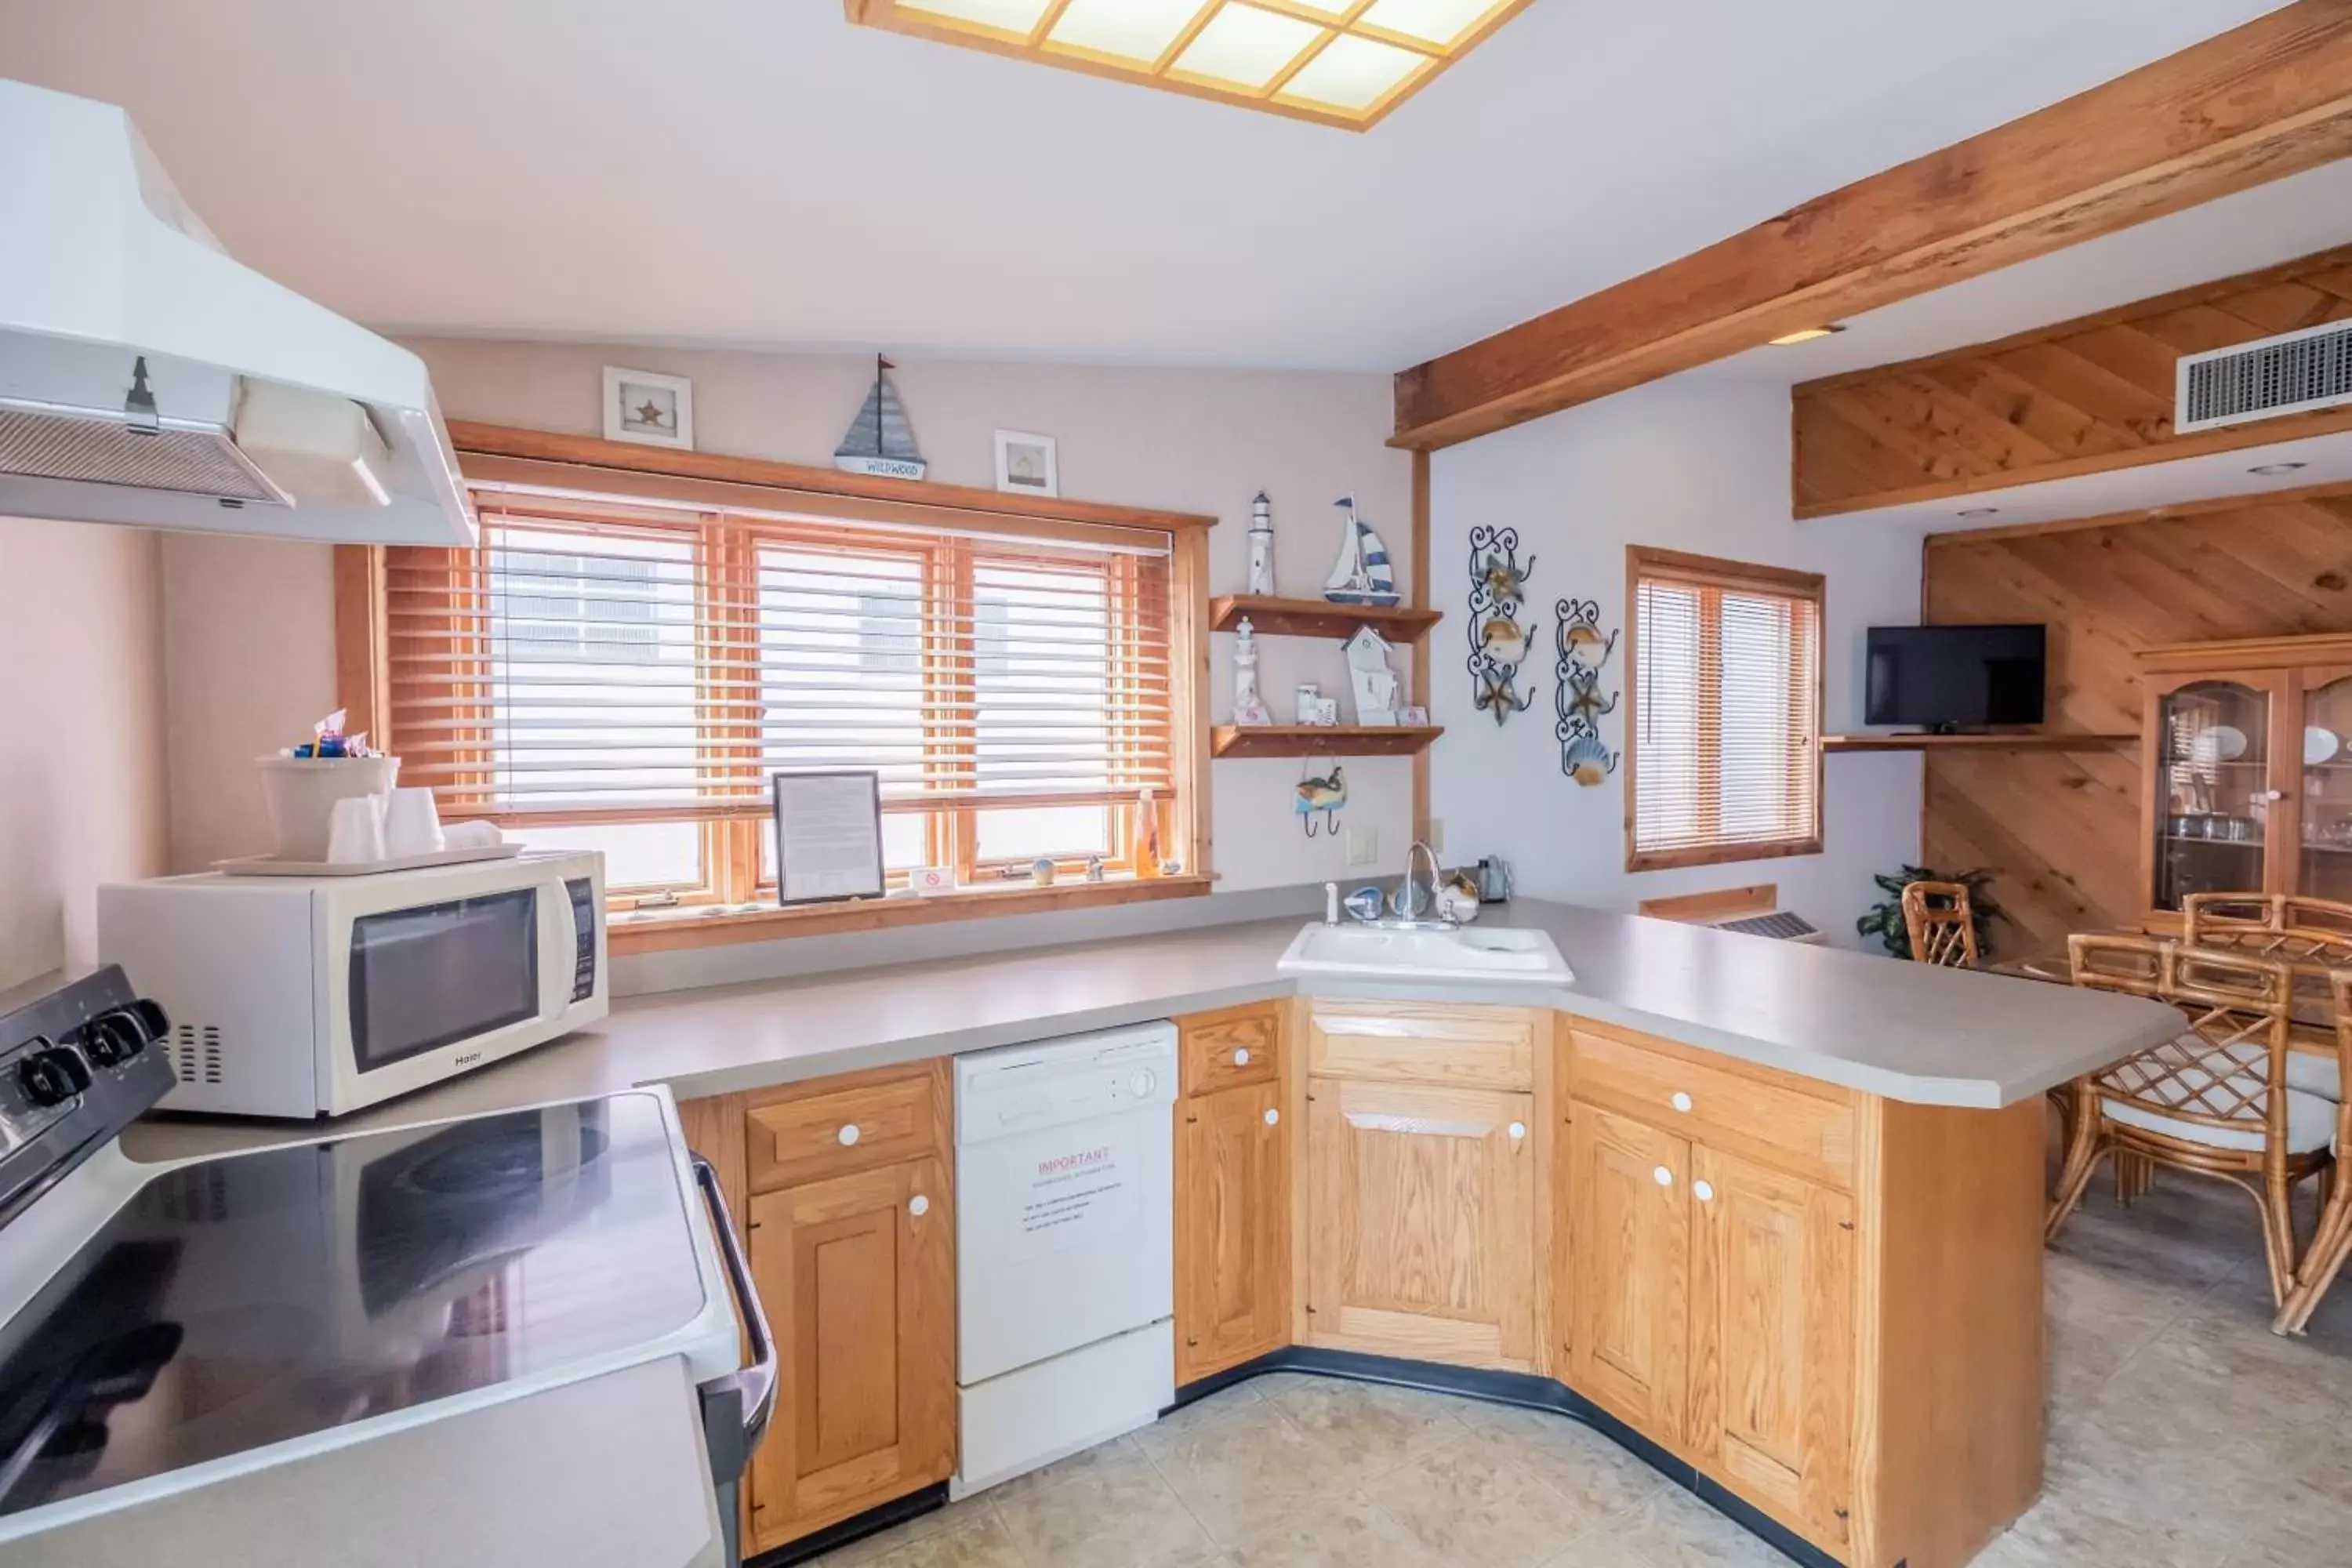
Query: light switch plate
{"points": [[1363, 846]]}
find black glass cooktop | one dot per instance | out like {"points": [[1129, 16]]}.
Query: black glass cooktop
{"points": [[247, 1300]]}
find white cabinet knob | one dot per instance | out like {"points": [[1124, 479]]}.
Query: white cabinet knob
{"points": [[1241, 1056], [1518, 1129], [848, 1134], [1681, 1101], [1662, 1176], [919, 1206], [1703, 1191], [1272, 1116]]}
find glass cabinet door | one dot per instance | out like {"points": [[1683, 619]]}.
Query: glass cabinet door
{"points": [[2323, 865], [2213, 770]]}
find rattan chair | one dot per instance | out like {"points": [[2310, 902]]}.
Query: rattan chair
{"points": [[2333, 1239], [1942, 926], [2313, 937], [2212, 1101]]}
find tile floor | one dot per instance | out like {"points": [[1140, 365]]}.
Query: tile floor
{"points": [[2183, 1435]]}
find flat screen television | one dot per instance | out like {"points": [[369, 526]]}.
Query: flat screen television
{"points": [[1945, 677]]}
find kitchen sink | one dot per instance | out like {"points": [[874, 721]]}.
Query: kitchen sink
{"points": [[1466, 953]]}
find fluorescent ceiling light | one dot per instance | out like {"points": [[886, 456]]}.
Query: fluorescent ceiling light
{"points": [[1247, 46], [1804, 335], [1139, 31], [1438, 22], [1336, 62], [1353, 73], [1020, 17]]}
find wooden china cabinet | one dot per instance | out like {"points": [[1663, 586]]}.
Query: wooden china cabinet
{"points": [[2246, 768]]}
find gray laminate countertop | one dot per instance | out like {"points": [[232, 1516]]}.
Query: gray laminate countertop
{"points": [[1906, 1031]]}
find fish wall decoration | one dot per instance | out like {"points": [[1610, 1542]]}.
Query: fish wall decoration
{"points": [[1584, 756], [1499, 642]]}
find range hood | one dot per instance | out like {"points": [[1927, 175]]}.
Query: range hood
{"points": [[148, 379]]}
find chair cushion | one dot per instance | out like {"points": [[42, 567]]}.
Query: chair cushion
{"points": [[2310, 1123], [2307, 1070]]}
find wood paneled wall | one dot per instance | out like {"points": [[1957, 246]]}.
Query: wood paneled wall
{"points": [[2062, 829], [2080, 397]]}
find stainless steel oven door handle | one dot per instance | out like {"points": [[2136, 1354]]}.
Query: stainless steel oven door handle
{"points": [[753, 1387]]}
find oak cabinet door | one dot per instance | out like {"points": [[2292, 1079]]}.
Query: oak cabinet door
{"points": [[860, 1290], [1772, 1311], [1420, 1222], [1233, 1229], [1627, 1270]]}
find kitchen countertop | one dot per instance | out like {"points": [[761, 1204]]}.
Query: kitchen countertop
{"points": [[1905, 1031]]}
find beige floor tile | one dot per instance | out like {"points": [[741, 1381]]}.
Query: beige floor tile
{"points": [[980, 1540], [1085, 1462], [858, 1554], [1243, 1464], [1469, 1504], [1119, 1515], [1370, 1427], [1327, 1533], [1601, 1478], [2302, 1528], [1672, 1530]]}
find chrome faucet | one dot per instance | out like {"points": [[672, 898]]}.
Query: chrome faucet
{"points": [[1416, 908]]}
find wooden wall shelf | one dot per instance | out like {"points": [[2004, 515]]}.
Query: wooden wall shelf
{"points": [[2020, 743], [1322, 740], [1272, 616]]}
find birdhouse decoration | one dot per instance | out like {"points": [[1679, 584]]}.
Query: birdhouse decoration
{"points": [[1584, 756], [1499, 642], [1370, 680]]}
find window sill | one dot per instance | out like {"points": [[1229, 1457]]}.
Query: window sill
{"points": [[1718, 854], [668, 931]]}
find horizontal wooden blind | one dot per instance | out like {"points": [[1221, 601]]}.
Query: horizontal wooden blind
{"points": [[1726, 711], [604, 664]]}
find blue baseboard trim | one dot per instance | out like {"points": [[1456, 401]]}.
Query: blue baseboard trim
{"points": [[1528, 1392]]}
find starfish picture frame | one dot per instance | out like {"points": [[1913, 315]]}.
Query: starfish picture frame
{"points": [[648, 408]]}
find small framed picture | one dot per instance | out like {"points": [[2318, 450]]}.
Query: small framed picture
{"points": [[1024, 463], [650, 409], [828, 824]]}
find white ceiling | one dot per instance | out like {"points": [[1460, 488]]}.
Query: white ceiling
{"points": [[759, 172]]}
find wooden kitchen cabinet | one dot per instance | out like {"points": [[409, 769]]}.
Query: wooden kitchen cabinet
{"points": [[857, 1272], [1420, 1222], [1626, 1274], [1771, 1337], [1233, 1228]]}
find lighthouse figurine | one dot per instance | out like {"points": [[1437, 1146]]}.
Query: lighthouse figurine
{"points": [[1261, 544]]}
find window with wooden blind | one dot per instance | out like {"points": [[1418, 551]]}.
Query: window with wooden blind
{"points": [[1723, 755], [625, 674]]}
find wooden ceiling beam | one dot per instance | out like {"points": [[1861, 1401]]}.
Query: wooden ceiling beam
{"points": [[2267, 100]]}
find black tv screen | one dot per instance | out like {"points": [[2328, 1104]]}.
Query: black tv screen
{"points": [[1945, 676]]}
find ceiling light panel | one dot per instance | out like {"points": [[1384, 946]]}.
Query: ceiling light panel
{"points": [[1352, 73], [1137, 31], [1247, 46], [1337, 62]]}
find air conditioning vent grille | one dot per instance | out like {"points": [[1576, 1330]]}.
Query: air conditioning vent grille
{"points": [[1783, 924], [2291, 374]]}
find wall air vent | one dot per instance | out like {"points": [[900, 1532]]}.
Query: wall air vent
{"points": [[2291, 374], [1781, 924]]}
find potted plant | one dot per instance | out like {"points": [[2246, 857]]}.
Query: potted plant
{"points": [[1885, 919]]}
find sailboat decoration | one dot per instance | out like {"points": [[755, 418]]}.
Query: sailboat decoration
{"points": [[1361, 575], [880, 441]]}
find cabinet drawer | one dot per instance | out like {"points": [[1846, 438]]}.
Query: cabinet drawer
{"points": [[829, 1130], [1230, 1049], [1805, 1128], [1422, 1042]]}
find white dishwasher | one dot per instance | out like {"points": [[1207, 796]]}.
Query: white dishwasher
{"points": [[1065, 1247]]}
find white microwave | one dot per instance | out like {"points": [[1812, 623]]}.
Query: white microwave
{"points": [[310, 996]]}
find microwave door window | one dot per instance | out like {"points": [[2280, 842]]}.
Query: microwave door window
{"points": [[427, 977]]}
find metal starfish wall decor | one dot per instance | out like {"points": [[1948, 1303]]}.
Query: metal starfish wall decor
{"points": [[1583, 755], [1499, 643]]}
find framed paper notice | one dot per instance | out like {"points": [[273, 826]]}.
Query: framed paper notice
{"points": [[828, 836]]}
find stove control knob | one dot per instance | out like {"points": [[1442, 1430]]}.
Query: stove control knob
{"points": [[112, 1038], [1144, 1082], [52, 1077]]}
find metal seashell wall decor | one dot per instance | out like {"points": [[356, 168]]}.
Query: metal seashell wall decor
{"points": [[1584, 756], [1499, 643]]}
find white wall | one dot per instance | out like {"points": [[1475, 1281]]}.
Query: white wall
{"points": [[251, 636], [82, 733], [1684, 464]]}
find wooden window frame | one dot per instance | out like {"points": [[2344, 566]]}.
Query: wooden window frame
{"points": [[709, 913], [1719, 573]]}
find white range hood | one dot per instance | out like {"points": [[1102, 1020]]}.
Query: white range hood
{"points": [[148, 379]]}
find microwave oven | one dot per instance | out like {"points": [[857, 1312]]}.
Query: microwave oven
{"points": [[308, 996]]}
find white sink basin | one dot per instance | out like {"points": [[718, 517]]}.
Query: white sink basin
{"points": [[1466, 953]]}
